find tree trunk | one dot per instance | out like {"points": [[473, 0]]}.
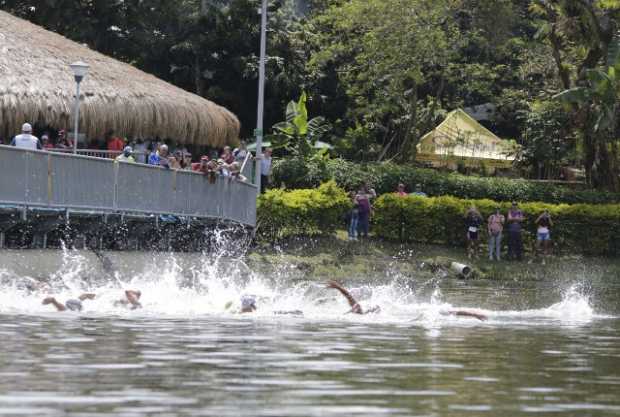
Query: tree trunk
{"points": [[406, 145]]}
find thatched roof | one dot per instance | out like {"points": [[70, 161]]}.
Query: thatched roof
{"points": [[37, 85]]}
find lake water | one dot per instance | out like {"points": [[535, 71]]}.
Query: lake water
{"points": [[549, 347]]}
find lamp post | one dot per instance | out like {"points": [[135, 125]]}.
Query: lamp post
{"points": [[261, 93], [79, 69]]}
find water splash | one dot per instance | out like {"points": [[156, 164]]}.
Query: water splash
{"points": [[215, 283]]}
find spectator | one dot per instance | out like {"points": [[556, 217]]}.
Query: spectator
{"points": [[400, 191], [26, 140], [187, 161], [543, 234], [63, 141], [45, 142], [212, 170], [223, 168], [201, 166], [241, 152], [227, 156], [114, 143], [354, 216], [495, 228], [473, 220], [175, 160], [418, 191], [235, 172], [515, 242], [160, 157], [126, 156], [140, 151], [265, 169], [363, 197]]}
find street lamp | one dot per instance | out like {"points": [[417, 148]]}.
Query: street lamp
{"points": [[79, 69], [261, 93]]}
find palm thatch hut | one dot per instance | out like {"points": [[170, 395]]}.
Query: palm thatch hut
{"points": [[36, 85]]}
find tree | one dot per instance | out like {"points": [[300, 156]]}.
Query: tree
{"points": [[582, 35]]}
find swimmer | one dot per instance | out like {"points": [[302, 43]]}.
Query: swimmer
{"points": [[464, 313], [73, 304], [131, 300], [356, 308], [248, 305]]}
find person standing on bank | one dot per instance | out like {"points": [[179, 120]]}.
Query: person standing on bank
{"points": [[363, 197], [515, 241], [26, 140], [353, 217], [543, 234], [495, 228], [473, 220], [265, 169]]}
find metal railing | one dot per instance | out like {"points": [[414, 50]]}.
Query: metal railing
{"points": [[97, 153], [75, 182]]}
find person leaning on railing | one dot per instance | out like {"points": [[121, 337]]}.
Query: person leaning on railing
{"points": [[26, 140], [126, 156]]}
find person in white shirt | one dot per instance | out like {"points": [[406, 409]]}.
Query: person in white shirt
{"points": [[26, 140]]}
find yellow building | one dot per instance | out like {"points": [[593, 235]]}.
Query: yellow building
{"points": [[461, 139]]}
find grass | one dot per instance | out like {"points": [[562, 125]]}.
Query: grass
{"points": [[337, 258]]}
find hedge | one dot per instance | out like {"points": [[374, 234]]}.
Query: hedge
{"points": [[297, 173], [305, 212], [580, 228]]}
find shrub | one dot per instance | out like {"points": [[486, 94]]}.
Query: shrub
{"points": [[317, 211], [385, 177], [580, 228]]}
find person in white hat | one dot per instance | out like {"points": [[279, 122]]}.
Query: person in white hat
{"points": [[26, 140], [126, 156]]}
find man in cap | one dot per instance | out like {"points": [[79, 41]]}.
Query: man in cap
{"points": [[26, 140], [126, 156]]}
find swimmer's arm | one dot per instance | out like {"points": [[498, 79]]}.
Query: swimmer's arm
{"points": [[86, 296], [53, 301], [355, 307], [465, 313]]}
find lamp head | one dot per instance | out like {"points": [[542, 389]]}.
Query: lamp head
{"points": [[80, 69]]}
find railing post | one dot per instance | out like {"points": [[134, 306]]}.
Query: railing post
{"points": [[115, 190], [49, 179]]}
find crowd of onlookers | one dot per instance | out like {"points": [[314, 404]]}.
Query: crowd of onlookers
{"points": [[512, 223], [358, 220], [228, 162]]}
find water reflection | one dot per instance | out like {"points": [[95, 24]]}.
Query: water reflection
{"points": [[248, 367]]}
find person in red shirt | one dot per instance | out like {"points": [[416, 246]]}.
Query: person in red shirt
{"points": [[115, 144], [201, 166]]}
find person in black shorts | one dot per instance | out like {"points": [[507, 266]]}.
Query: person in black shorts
{"points": [[473, 220]]}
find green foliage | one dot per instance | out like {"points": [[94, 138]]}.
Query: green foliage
{"points": [[580, 228], [297, 134], [306, 212], [547, 140], [295, 173]]}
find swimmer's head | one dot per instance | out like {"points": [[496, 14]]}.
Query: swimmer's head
{"points": [[248, 304], [48, 300]]}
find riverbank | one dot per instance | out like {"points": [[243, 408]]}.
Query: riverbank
{"points": [[337, 258]]}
